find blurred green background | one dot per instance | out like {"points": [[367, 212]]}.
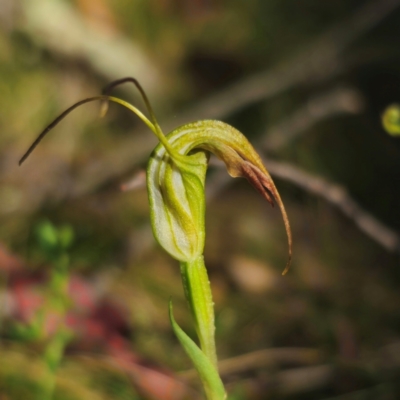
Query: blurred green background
{"points": [[307, 82]]}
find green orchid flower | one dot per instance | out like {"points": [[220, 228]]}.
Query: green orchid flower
{"points": [[175, 182]]}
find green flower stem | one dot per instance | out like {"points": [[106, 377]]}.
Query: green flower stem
{"points": [[198, 294]]}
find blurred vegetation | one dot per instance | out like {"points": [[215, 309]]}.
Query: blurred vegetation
{"points": [[308, 83]]}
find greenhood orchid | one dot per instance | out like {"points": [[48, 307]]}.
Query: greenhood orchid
{"points": [[175, 182]]}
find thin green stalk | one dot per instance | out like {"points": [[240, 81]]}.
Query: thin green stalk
{"points": [[198, 294]]}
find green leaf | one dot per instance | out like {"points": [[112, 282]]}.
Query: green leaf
{"points": [[208, 374]]}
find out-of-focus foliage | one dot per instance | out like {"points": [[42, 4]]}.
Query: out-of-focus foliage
{"points": [[391, 120], [317, 76]]}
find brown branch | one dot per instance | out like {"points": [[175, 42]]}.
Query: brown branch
{"points": [[273, 357], [339, 197]]}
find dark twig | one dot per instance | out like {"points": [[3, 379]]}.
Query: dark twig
{"points": [[339, 197], [273, 357]]}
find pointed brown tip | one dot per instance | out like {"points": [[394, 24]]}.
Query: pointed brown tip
{"points": [[286, 270]]}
